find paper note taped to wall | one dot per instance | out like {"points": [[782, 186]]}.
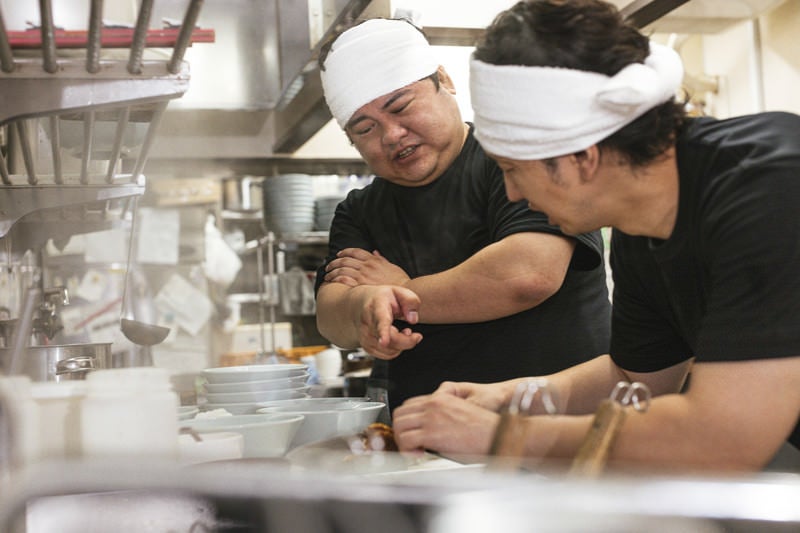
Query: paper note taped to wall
{"points": [[190, 307], [158, 236]]}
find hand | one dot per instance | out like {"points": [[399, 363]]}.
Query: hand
{"points": [[444, 423], [379, 308], [491, 396], [354, 266]]}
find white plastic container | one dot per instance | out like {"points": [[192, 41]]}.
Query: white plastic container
{"points": [[20, 415], [130, 411], [59, 404]]}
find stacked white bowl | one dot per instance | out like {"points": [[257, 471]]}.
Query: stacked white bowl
{"points": [[326, 418], [288, 203], [239, 389], [324, 209]]}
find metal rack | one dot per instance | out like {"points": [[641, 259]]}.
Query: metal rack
{"points": [[51, 93]]}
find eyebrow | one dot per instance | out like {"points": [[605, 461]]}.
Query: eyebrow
{"points": [[387, 104]]}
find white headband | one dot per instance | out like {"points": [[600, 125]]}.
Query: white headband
{"points": [[372, 59], [530, 113]]}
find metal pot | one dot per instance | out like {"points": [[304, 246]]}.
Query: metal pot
{"points": [[61, 362], [242, 193]]}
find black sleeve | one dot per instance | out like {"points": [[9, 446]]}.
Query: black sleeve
{"points": [[509, 217], [345, 232]]}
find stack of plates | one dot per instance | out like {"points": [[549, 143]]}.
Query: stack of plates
{"points": [[240, 389], [325, 208], [288, 204]]}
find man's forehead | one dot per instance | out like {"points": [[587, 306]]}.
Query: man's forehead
{"points": [[382, 102]]}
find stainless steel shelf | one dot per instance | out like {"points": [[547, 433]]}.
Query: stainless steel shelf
{"points": [[29, 92], [89, 92], [19, 201]]}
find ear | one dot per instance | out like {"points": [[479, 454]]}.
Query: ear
{"points": [[445, 81], [587, 161]]}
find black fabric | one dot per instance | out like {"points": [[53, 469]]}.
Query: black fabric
{"points": [[428, 229], [726, 285]]}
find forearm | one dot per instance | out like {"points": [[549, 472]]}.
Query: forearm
{"points": [[711, 427], [665, 438], [451, 297], [335, 314], [507, 277], [576, 390]]}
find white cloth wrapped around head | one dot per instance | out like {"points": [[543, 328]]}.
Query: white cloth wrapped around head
{"points": [[530, 113], [372, 59]]}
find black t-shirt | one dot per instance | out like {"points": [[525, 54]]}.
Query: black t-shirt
{"points": [[432, 228], [725, 286]]}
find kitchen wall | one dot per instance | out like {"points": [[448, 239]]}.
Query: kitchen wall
{"points": [[730, 55]]}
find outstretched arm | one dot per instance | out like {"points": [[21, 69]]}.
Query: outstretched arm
{"points": [[504, 278], [734, 416]]}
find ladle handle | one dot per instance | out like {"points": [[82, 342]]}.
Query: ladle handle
{"points": [[22, 333], [131, 239]]}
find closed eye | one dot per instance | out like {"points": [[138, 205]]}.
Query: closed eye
{"points": [[363, 128], [400, 108]]}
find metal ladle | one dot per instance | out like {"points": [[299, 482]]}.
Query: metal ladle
{"points": [[137, 332]]}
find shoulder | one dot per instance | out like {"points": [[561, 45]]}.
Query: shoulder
{"points": [[748, 135], [473, 153]]}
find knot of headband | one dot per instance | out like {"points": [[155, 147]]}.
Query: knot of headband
{"points": [[532, 113]]}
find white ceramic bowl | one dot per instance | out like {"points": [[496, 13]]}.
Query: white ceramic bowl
{"points": [[257, 386], [234, 374], [185, 412], [218, 446], [265, 435], [326, 418], [255, 396]]}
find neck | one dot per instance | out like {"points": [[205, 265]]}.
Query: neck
{"points": [[651, 207]]}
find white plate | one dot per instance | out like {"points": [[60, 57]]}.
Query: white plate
{"points": [[234, 374], [254, 386], [242, 408], [255, 396]]}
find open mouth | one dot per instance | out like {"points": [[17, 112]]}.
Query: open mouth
{"points": [[405, 152]]}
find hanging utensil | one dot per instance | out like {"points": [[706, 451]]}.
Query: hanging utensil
{"points": [[136, 331], [22, 333]]}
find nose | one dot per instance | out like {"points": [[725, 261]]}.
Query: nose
{"points": [[393, 132]]}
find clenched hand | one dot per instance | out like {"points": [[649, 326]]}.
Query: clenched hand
{"points": [[355, 266]]}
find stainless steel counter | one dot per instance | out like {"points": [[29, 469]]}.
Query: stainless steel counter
{"points": [[270, 496]]}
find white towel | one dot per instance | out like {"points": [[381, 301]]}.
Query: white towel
{"points": [[530, 113], [372, 59]]}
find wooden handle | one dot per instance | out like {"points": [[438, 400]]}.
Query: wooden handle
{"points": [[596, 447]]}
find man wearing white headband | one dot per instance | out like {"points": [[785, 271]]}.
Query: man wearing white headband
{"points": [[578, 110], [431, 268]]}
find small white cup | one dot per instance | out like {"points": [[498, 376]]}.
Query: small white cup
{"points": [[328, 363]]}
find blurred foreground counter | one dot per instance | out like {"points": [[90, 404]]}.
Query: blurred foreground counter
{"points": [[438, 496]]}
